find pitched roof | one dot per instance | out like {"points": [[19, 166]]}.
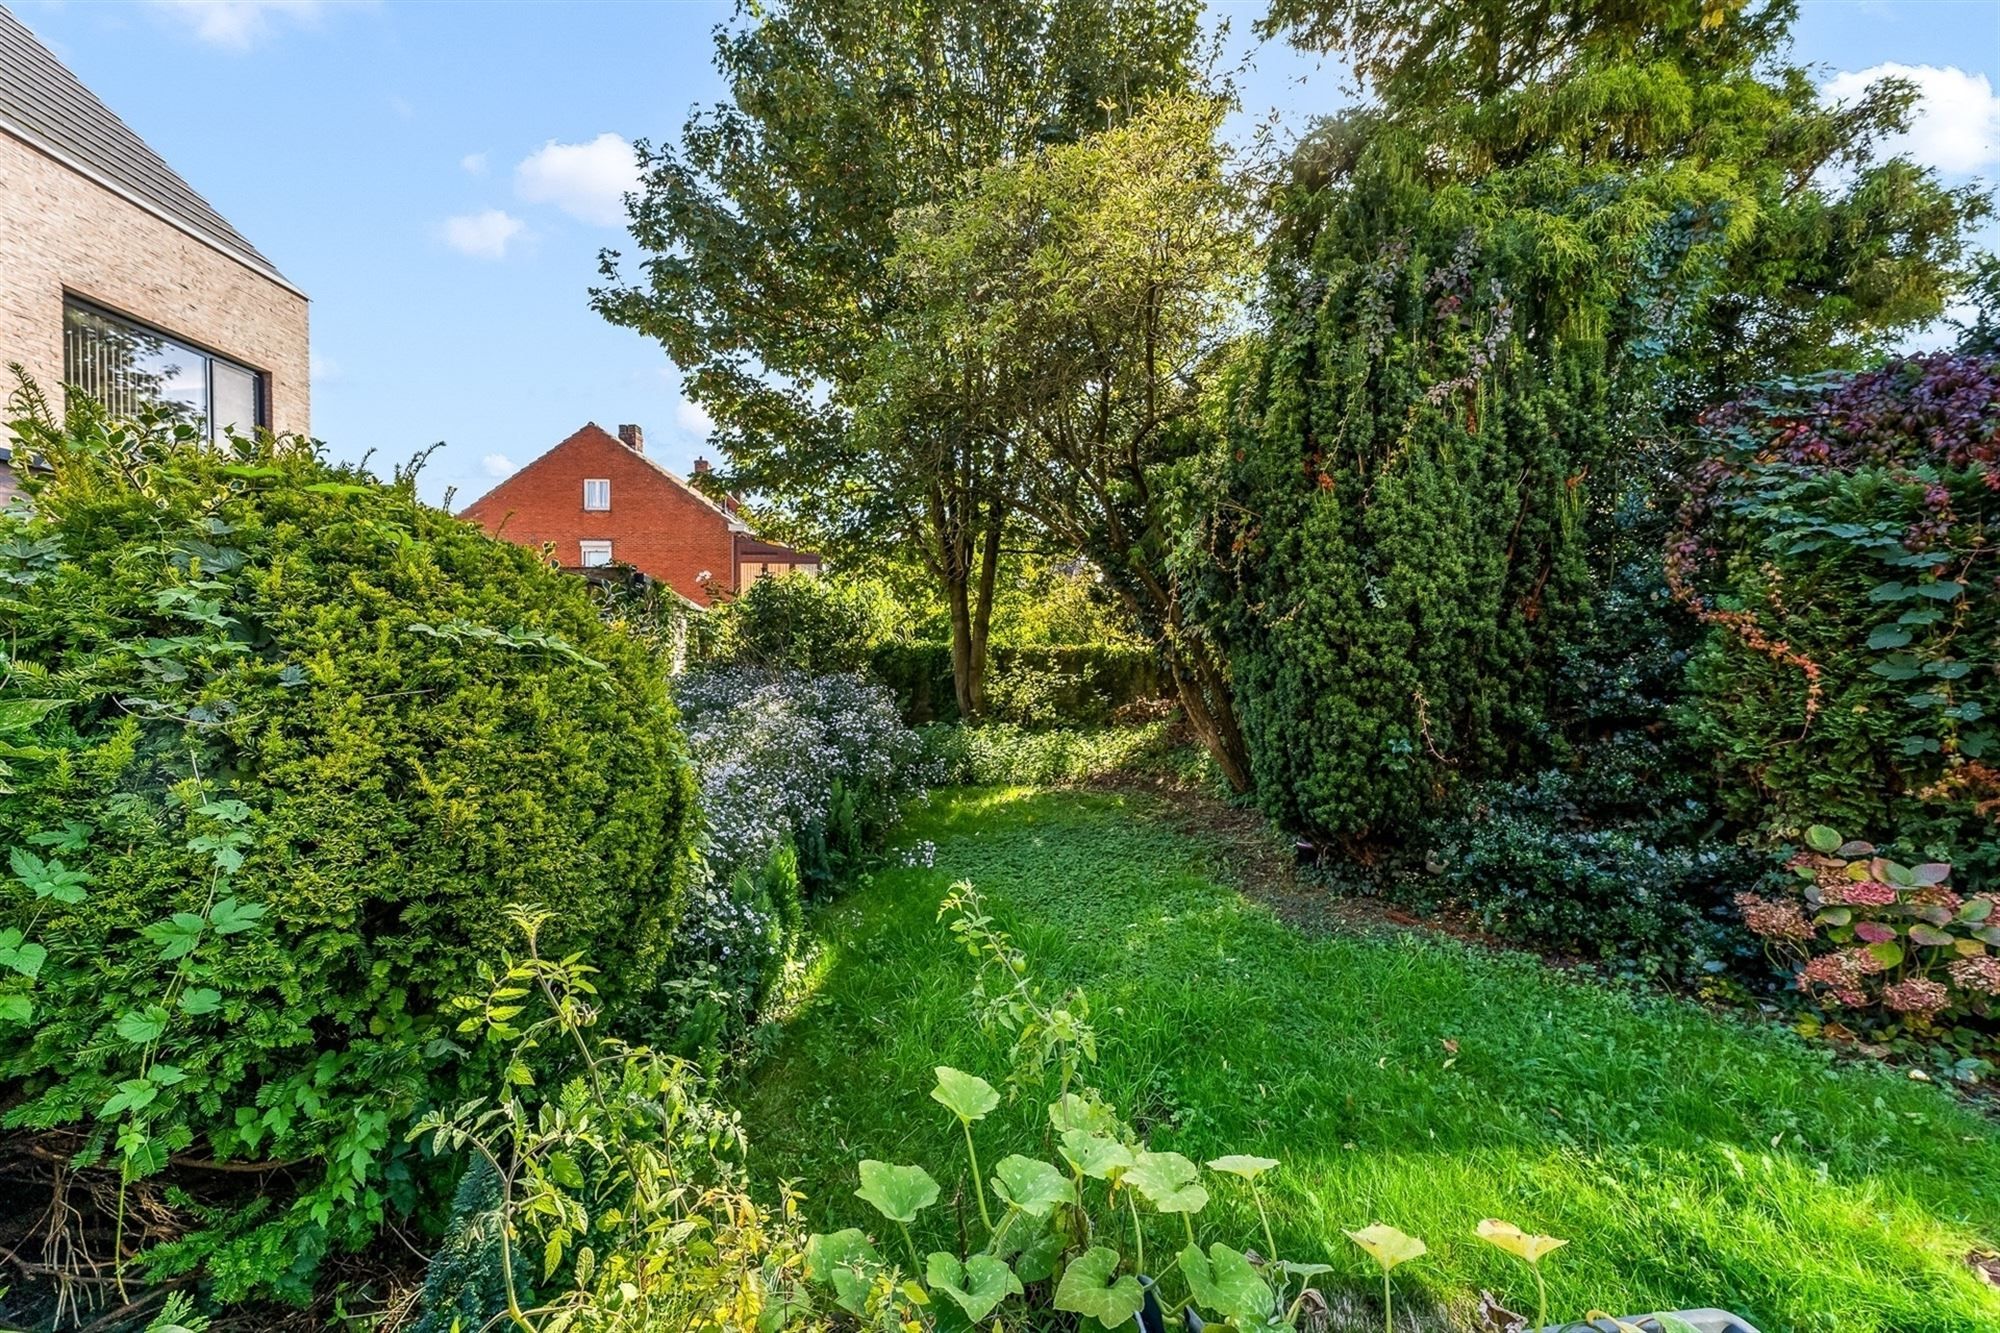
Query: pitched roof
{"points": [[591, 432], [47, 107]]}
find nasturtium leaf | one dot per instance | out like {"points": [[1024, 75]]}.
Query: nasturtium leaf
{"points": [[1168, 1181], [1094, 1155], [967, 1096], [899, 1193], [1389, 1247], [1507, 1236], [977, 1285], [1092, 1286], [1033, 1187], [1225, 1281], [1822, 839], [1239, 1164], [847, 1261]]}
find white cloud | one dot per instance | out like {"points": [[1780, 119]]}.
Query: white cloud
{"points": [[236, 25], [693, 418], [483, 235], [588, 181], [473, 164], [1955, 125], [497, 465]]}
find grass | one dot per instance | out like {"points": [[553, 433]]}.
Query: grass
{"points": [[1691, 1159]]}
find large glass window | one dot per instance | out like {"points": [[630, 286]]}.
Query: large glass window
{"points": [[126, 365]]}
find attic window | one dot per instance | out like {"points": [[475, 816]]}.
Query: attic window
{"points": [[597, 493]]}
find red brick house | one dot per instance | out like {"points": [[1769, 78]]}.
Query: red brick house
{"points": [[597, 499]]}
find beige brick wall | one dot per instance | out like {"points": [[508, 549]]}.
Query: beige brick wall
{"points": [[61, 231]]}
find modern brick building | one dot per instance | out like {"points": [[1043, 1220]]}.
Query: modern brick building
{"points": [[116, 277], [597, 499]]}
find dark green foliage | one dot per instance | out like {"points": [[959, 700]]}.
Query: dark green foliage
{"points": [[1411, 464], [337, 732], [1085, 685], [802, 623], [1838, 543], [463, 1285]]}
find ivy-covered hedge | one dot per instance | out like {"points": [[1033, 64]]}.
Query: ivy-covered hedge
{"points": [[1081, 686], [1839, 543], [285, 742]]}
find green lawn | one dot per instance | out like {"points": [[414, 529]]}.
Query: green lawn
{"points": [[1690, 1160]]}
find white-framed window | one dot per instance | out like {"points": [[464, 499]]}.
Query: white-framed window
{"points": [[594, 553], [597, 492]]}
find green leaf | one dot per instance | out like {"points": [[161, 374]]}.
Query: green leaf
{"points": [[1822, 839], [1094, 1155], [967, 1096], [1237, 1164], [1931, 937], [18, 954], [1033, 1187], [142, 1026], [1037, 1259], [847, 1262], [899, 1193], [1887, 952], [1943, 590], [977, 1285], [1168, 1181], [1976, 910], [1093, 1287], [1073, 1112], [134, 1094], [1889, 636], [1225, 1281], [199, 1000], [177, 936], [16, 1007], [230, 916]]}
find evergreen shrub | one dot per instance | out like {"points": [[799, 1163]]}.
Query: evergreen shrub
{"points": [[285, 743]]}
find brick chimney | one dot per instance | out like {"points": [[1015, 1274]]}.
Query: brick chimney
{"points": [[700, 466], [632, 438]]}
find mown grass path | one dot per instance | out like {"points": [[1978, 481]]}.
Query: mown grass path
{"points": [[1691, 1160]]}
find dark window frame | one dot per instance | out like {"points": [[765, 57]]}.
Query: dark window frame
{"points": [[209, 357]]}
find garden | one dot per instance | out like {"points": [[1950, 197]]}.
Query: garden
{"points": [[1402, 734]]}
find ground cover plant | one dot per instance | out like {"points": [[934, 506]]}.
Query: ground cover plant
{"points": [[1687, 1159]]}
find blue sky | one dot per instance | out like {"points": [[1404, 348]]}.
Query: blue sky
{"points": [[440, 177]]}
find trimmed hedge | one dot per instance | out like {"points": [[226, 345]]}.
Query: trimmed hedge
{"points": [[298, 741], [1083, 686], [1000, 753]]}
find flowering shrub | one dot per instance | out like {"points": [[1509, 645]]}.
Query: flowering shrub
{"points": [[799, 776], [820, 760], [1870, 933], [1836, 542]]}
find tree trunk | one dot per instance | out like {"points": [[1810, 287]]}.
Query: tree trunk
{"points": [[968, 645], [1204, 696]]}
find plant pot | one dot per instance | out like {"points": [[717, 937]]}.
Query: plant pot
{"points": [[1702, 1321], [1149, 1319]]}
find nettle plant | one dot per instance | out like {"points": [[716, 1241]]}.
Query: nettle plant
{"points": [[1071, 1232], [1868, 933]]}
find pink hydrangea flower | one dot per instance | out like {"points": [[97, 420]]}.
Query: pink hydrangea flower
{"points": [[1773, 919], [1981, 974], [1858, 893], [1916, 995]]}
